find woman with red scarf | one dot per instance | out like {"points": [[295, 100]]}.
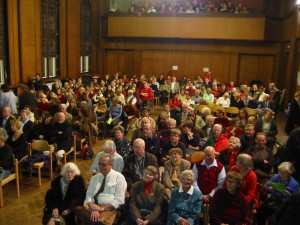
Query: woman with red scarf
{"points": [[146, 199]]}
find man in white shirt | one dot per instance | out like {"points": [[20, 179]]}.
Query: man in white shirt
{"points": [[105, 194]]}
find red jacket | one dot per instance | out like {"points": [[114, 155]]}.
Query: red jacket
{"points": [[221, 143]]}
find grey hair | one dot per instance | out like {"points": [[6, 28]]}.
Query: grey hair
{"points": [[111, 159], [109, 144], [187, 172], [205, 109], [3, 134], [71, 166], [245, 160]]}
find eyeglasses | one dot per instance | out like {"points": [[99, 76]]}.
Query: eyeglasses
{"points": [[102, 164]]}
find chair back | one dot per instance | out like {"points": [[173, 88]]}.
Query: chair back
{"points": [[232, 112], [196, 157], [215, 108], [251, 112]]}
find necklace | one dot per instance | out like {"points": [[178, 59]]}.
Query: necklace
{"points": [[185, 199]]}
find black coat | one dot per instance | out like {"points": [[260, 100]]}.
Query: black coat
{"points": [[293, 119], [75, 196]]}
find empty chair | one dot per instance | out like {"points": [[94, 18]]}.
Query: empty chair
{"points": [[72, 150]]}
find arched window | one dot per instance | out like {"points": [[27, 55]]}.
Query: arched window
{"points": [[50, 38], [85, 37], [3, 43]]}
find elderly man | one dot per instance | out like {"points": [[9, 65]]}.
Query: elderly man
{"points": [[62, 135], [135, 163], [184, 114], [63, 109], [105, 194], [5, 119], [219, 141], [109, 147], [262, 157], [152, 143], [138, 123], [209, 174]]}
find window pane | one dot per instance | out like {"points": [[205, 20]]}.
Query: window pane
{"points": [[52, 66], [2, 71], [86, 63]]}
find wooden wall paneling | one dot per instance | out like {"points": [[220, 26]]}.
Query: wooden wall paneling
{"points": [[73, 38], [63, 38], [255, 67], [30, 45], [95, 35], [158, 63], [13, 42], [119, 60], [177, 59]]}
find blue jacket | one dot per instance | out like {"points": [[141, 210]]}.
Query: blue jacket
{"points": [[184, 205], [292, 186]]}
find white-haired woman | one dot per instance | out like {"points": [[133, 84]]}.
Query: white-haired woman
{"points": [[6, 155], [67, 191], [185, 204], [109, 147], [281, 186]]}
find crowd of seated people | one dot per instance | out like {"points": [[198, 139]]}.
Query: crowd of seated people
{"points": [[186, 7], [228, 144]]}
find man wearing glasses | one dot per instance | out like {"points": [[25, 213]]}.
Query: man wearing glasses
{"points": [[105, 194], [209, 174]]}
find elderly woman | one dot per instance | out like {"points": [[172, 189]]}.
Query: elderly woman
{"points": [[17, 139], [268, 125], [146, 199], [281, 186], [109, 147], [173, 168], [123, 145], [228, 205], [244, 165], [6, 155], [228, 156], [185, 205], [67, 191]]}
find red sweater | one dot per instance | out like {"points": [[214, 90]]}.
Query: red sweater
{"points": [[208, 179], [146, 91], [249, 186]]}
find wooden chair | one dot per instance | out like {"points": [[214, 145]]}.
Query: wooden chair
{"points": [[251, 112], [12, 176], [232, 112], [196, 157], [79, 139], [215, 108], [205, 213], [72, 150], [41, 146]]}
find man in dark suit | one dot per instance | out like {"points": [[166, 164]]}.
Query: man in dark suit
{"points": [[183, 115], [28, 125], [134, 164], [5, 119], [268, 103], [169, 113], [152, 142]]}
